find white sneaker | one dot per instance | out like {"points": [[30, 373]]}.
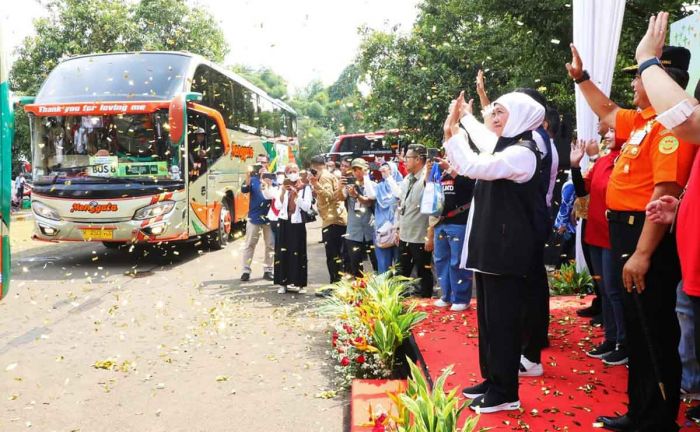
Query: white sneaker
{"points": [[458, 307], [302, 291], [529, 369], [441, 304], [282, 290]]}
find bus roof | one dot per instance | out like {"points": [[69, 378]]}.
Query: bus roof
{"points": [[190, 67]]}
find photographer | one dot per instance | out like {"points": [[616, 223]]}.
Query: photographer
{"points": [[331, 208], [360, 194], [291, 263], [257, 220]]}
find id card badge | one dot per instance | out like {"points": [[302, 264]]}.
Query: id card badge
{"points": [[637, 137]]}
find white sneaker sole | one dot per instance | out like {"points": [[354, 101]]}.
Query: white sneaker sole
{"points": [[617, 363], [472, 395], [508, 406]]}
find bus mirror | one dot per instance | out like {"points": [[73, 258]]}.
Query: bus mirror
{"points": [[177, 115], [193, 97], [20, 101]]}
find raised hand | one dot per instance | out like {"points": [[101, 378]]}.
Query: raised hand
{"points": [[575, 68], [592, 148], [652, 43], [663, 210], [480, 86], [578, 149], [467, 108]]}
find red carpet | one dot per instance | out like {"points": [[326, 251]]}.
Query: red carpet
{"points": [[574, 390]]}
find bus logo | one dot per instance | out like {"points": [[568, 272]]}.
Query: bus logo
{"points": [[94, 207], [242, 152]]}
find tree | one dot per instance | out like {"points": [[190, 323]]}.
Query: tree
{"points": [[76, 27], [518, 43], [266, 79]]}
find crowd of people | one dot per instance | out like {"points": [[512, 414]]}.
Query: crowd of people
{"points": [[478, 214]]}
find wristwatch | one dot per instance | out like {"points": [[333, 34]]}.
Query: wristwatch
{"points": [[654, 61], [584, 77]]}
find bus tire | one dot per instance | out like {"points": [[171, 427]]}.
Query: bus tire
{"points": [[218, 239], [113, 245]]}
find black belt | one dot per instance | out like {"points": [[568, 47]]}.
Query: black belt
{"points": [[625, 217]]}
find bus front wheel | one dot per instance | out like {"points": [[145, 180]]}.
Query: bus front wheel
{"points": [[219, 237]]}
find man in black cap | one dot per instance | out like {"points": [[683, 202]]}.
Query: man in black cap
{"points": [[652, 163]]}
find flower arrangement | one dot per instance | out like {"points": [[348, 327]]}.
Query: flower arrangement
{"points": [[567, 280], [371, 320]]}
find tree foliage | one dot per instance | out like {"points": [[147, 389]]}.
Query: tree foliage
{"points": [[518, 43], [264, 78], [75, 27]]}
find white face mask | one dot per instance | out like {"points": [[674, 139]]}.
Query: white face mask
{"points": [[280, 178], [293, 176]]}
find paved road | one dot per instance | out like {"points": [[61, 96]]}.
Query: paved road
{"points": [[191, 348]]}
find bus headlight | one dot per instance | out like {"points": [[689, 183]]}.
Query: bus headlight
{"points": [[41, 209], [155, 210]]}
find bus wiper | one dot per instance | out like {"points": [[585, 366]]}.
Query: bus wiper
{"points": [[60, 171]]}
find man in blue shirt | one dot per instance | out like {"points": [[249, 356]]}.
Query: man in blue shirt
{"points": [[564, 224], [257, 222]]}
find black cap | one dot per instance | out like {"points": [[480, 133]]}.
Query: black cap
{"points": [[671, 56]]}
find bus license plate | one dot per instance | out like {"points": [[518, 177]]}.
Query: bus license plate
{"points": [[97, 234]]}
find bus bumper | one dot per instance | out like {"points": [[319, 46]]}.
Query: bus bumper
{"points": [[155, 230]]}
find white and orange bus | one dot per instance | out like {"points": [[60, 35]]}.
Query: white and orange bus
{"points": [[115, 158]]}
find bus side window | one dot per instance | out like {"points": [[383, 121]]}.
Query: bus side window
{"points": [[216, 144]]}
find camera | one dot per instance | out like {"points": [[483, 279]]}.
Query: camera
{"points": [[433, 153], [257, 168], [313, 172]]}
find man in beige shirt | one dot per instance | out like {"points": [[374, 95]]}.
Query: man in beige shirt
{"points": [[331, 207]]}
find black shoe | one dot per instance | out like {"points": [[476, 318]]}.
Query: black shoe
{"points": [[484, 405], [616, 357], [245, 277], [602, 350], [268, 276], [588, 312], [475, 391], [693, 413], [597, 321], [619, 423]]}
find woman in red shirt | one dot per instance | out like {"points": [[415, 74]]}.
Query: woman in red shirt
{"points": [[612, 350]]}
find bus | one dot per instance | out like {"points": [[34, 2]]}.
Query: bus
{"points": [[374, 147], [149, 147]]}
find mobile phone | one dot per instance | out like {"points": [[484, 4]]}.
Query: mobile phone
{"points": [[269, 176], [257, 168], [350, 180], [433, 153], [287, 182], [313, 172]]}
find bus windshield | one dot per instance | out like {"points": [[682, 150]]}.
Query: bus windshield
{"points": [[115, 77], [107, 148]]}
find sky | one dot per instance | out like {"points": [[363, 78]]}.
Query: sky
{"points": [[301, 40]]}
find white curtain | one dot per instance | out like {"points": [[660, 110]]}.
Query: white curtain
{"points": [[597, 27]]}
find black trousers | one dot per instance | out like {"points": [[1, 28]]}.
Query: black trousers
{"points": [[414, 254], [333, 240], [655, 306], [358, 251], [536, 308], [499, 303]]}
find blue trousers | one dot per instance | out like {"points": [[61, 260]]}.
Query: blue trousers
{"points": [[455, 283], [611, 290], [690, 381], [386, 257]]}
